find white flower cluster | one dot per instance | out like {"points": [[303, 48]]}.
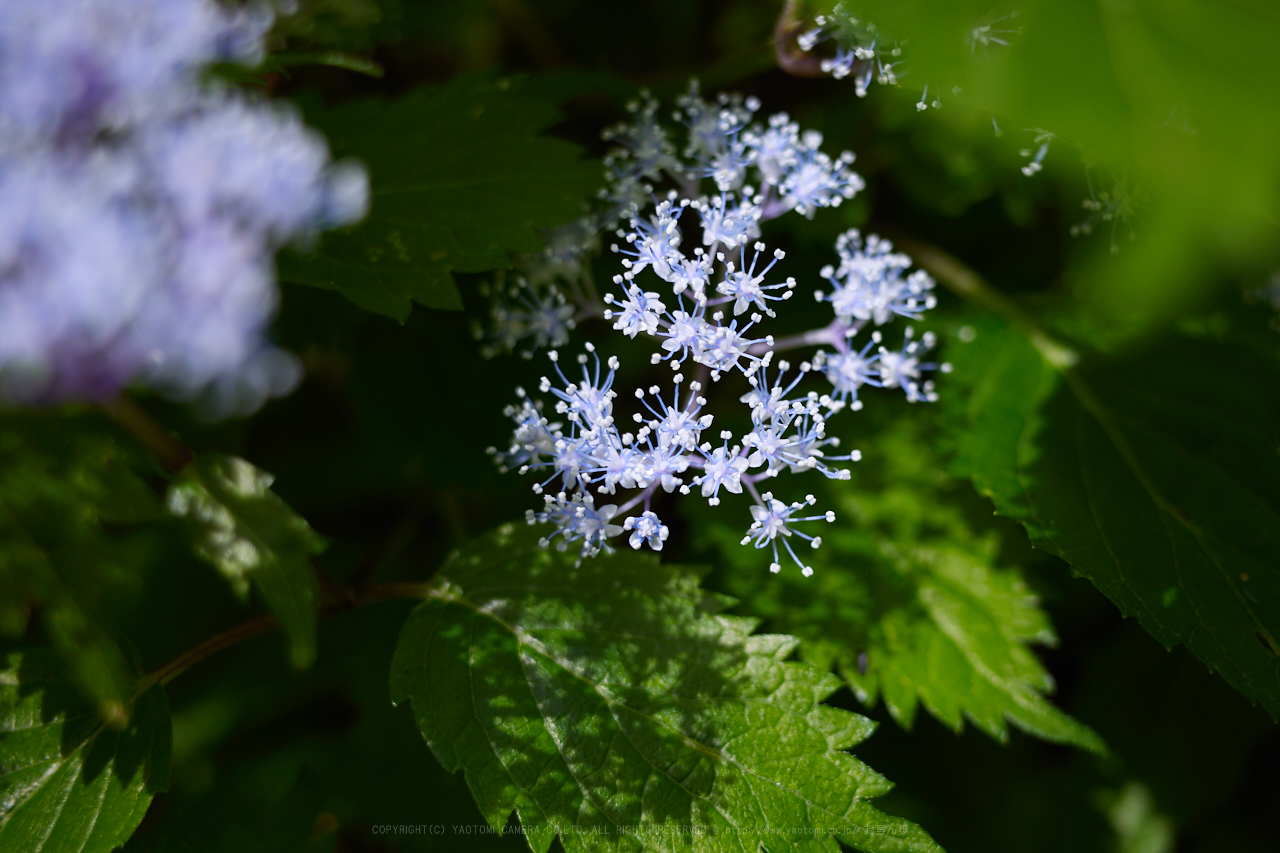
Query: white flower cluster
{"points": [[861, 50], [702, 307], [140, 204]]}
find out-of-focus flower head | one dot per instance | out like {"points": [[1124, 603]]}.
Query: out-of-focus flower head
{"points": [[141, 205]]}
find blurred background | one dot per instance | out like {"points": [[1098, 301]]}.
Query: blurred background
{"points": [[382, 448]]}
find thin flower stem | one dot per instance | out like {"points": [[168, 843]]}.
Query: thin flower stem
{"points": [[791, 59], [397, 589], [812, 338], [593, 295], [205, 648], [643, 496], [576, 295]]}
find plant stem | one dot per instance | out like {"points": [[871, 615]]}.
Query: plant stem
{"points": [[967, 284], [643, 496], [791, 59], [814, 337], [263, 624], [205, 648], [335, 597], [171, 453]]}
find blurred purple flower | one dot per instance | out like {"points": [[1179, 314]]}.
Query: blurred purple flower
{"points": [[140, 206]]}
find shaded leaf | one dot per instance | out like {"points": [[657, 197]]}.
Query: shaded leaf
{"points": [[1157, 477], [302, 758], [252, 537], [461, 178], [613, 705], [71, 505], [356, 25], [67, 783]]}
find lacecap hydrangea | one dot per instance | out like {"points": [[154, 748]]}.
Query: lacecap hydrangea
{"points": [[694, 278], [141, 204]]}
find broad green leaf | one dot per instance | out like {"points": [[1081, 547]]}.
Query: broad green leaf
{"points": [[1183, 144], [461, 178], [906, 601], [68, 784], [613, 705], [252, 537], [71, 506], [1157, 477]]}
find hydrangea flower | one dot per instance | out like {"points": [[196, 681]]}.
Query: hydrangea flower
{"points": [[544, 319], [869, 283], [647, 529], [850, 369], [903, 369], [577, 519], [815, 180], [773, 519], [141, 206], [746, 287], [861, 50], [602, 445]]}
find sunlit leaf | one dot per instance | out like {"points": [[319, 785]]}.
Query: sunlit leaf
{"points": [[252, 537], [68, 784], [1178, 146], [906, 600], [612, 704]]}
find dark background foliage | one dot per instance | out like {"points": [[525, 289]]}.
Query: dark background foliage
{"points": [[382, 451]]}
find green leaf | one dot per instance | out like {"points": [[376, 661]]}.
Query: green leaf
{"points": [[252, 537], [1186, 141], [1004, 394], [67, 783], [361, 25], [1156, 476], [461, 178], [71, 510], [612, 704], [906, 601], [1138, 824]]}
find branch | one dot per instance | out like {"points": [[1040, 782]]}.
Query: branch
{"points": [[968, 285], [167, 448], [335, 597], [263, 624]]}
